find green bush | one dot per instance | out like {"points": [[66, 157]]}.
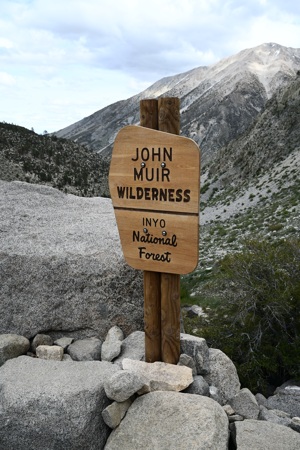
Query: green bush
{"points": [[258, 326]]}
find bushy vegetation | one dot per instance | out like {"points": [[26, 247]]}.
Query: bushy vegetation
{"points": [[46, 159], [257, 324]]}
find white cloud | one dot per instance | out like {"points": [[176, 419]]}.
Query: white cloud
{"points": [[69, 58], [6, 79]]}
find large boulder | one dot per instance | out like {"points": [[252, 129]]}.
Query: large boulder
{"points": [[171, 420], [62, 267], [261, 435], [223, 375], [53, 404]]}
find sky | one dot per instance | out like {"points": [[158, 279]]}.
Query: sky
{"points": [[62, 60]]}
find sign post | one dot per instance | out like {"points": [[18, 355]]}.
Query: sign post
{"points": [[154, 184]]}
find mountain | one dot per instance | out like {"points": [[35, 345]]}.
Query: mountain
{"points": [[243, 111], [218, 102], [252, 188], [57, 162]]}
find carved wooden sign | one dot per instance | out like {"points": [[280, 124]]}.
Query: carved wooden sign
{"points": [[154, 183]]}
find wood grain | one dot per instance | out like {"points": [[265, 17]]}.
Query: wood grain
{"points": [[170, 317], [152, 304], [169, 121], [152, 316]]}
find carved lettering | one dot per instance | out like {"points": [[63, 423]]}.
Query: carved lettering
{"points": [[153, 154], [154, 194], [163, 257]]}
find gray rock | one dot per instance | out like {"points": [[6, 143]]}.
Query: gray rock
{"points": [[171, 420], [261, 435], [85, 349], [12, 346], [123, 384], [295, 424], [41, 339], [186, 360], [290, 387], [64, 342], [286, 398], [160, 376], [261, 399], [197, 349], [114, 413], [53, 405], [223, 375], [244, 403], [235, 418], [199, 386], [195, 311], [229, 410], [66, 357], [133, 347], [274, 416], [215, 394], [111, 347], [62, 266], [50, 352]]}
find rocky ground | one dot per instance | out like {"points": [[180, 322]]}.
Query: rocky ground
{"points": [[96, 394]]}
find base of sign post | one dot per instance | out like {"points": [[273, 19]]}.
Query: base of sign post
{"points": [[152, 316], [170, 317]]}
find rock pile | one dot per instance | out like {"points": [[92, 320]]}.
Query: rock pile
{"points": [[103, 395]]}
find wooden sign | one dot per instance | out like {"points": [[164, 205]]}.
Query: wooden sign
{"points": [[154, 186]]}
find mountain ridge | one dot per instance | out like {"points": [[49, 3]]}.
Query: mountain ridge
{"points": [[218, 102]]}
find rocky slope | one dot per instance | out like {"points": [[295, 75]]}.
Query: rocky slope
{"points": [[252, 187], [60, 163], [218, 103]]}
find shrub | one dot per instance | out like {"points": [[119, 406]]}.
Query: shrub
{"points": [[259, 325]]}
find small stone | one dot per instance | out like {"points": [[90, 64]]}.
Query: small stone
{"points": [[295, 424], [223, 375], [64, 342], [229, 410], [161, 376], [215, 394], [261, 399], [199, 387], [235, 418], [274, 416], [114, 413], [67, 357], [41, 339], [132, 347], [123, 384], [85, 349], [186, 360], [53, 352], [245, 404], [197, 349], [111, 347]]}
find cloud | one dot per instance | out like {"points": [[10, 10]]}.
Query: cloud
{"points": [[87, 54], [6, 79]]}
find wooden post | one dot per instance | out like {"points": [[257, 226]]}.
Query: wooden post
{"points": [[161, 290], [152, 305], [169, 121]]}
